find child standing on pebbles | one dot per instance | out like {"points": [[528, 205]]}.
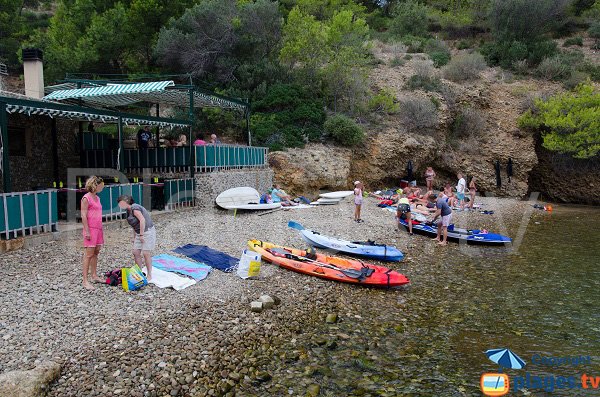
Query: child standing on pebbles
{"points": [[93, 237], [358, 200]]}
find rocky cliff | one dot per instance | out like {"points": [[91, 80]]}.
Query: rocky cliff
{"points": [[497, 97]]}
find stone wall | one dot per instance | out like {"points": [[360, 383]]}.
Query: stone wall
{"points": [[210, 184], [35, 167]]}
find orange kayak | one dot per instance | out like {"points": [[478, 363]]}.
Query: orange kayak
{"points": [[328, 267]]}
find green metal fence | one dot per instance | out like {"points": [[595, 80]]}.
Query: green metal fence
{"points": [[179, 193], [177, 159], [95, 141], [108, 198], [25, 213], [218, 157]]}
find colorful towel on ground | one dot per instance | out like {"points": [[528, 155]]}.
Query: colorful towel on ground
{"points": [[163, 279], [170, 263], [213, 258]]}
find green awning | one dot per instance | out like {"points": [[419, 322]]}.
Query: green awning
{"points": [[103, 94], [16, 104]]}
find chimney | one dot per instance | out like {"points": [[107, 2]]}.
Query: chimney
{"points": [[33, 72]]}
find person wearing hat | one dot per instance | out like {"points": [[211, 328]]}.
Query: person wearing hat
{"points": [[358, 200]]}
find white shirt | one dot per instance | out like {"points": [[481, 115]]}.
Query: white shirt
{"points": [[462, 184]]}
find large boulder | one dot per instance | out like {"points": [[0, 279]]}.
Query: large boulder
{"points": [[32, 383], [314, 168]]}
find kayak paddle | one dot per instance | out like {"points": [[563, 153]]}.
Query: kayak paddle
{"points": [[295, 225]]}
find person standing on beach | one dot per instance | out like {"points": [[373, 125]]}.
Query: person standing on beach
{"points": [[429, 177], [358, 200], [144, 233], [472, 191], [444, 211], [93, 237], [460, 190], [403, 212]]}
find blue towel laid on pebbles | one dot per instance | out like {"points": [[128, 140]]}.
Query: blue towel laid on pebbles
{"points": [[170, 263], [211, 257]]}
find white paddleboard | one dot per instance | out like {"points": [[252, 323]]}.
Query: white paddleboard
{"points": [[238, 196], [329, 200], [264, 206], [324, 202], [337, 195]]}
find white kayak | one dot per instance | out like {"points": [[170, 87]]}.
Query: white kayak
{"points": [[243, 198], [337, 195]]}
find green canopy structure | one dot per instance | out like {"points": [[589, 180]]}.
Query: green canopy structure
{"points": [[107, 94]]}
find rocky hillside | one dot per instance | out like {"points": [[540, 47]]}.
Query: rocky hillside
{"points": [[498, 97]]}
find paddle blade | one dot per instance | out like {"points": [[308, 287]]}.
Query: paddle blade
{"points": [[295, 225]]}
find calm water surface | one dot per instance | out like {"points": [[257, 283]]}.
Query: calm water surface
{"points": [[543, 299]]}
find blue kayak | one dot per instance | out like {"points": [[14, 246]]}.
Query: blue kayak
{"points": [[367, 249], [471, 236]]}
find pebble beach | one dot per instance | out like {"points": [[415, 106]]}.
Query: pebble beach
{"points": [[204, 340]]}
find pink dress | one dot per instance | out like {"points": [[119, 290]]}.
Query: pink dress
{"points": [[94, 218]]}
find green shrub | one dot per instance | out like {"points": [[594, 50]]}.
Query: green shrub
{"points": [[407, 57], [575, 79], [506, 53], [438, 51], [436, 102], [554, 68], [464, 67], [520, 67], [418, 113], [416, 82], [425, 78], [383, 101], [569, 122], [524, 20], [594, 30], [288, 115], [465, 44], [577, 40], [344, 130], [409, 18], [440, 58], [397, 61], [592, 70], [468, 122], [414, 43]]}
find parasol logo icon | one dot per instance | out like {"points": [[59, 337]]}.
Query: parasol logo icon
{"points": [[494, 384]]}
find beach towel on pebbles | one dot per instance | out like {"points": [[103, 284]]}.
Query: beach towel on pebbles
{"points": [[170, 263], [163, 279], [213, 258]]}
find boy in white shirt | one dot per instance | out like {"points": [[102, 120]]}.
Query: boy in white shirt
{"points": [[460, 190]]}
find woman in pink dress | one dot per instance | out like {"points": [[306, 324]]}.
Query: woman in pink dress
{"points": [[93, 238]]}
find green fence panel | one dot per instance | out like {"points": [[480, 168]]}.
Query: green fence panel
{"points": [[46, 214], [13, 206], [211, 156], [29, 210], [2, 213]]}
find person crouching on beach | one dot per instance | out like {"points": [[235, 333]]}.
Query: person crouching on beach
{"points": [[144, 233], [358, 200], [403, 212], [444, 211], [93, 237]]}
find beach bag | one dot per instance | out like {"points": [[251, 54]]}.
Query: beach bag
{"points": [[133, 278], [249, 265], [113, 277]]}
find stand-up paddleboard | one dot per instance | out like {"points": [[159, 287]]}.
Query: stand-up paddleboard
{"points": [[243, 198], [367, 249], [337, 195]]}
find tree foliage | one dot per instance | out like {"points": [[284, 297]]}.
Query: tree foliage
{"points": [[569, 122], [410, 18], [344, 130]]}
